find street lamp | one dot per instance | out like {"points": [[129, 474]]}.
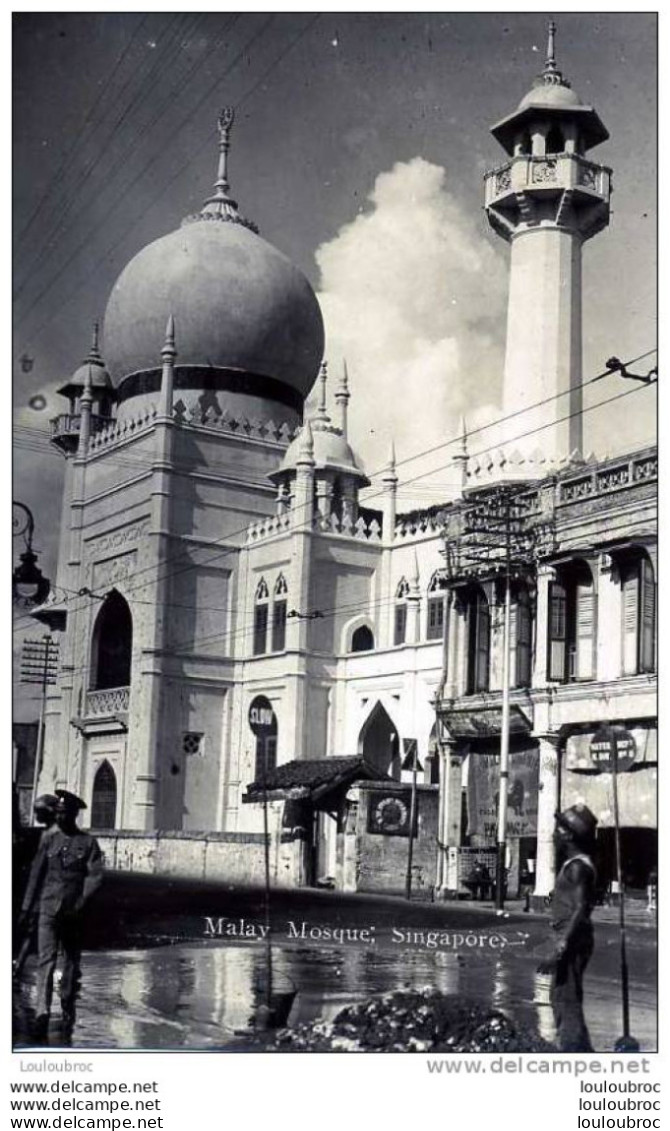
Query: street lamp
{"points": [[29, 586]]}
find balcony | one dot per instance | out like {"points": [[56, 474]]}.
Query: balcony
{"points": [[65, 429], [520, 192], [105, 711]]}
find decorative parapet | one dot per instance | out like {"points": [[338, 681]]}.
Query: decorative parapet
{"points": [[616, 476], [268, 527], [417, 524], [111, 701], [363, 529], [123, 429], [211, 416], [564, 170]]}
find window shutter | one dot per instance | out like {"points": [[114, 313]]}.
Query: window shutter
{"points": [[522, 642], [482, 644], [648, 616], [630, 586], [585, 600], [260, 629], [435, 618], [400, 623], [556, 636], [279, 626]]}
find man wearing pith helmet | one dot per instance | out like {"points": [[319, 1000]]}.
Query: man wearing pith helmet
{"points": [[66, 873], [572, 903]]}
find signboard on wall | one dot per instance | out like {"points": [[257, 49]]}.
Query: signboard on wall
{"points": [[388, 813], [483, 793]]}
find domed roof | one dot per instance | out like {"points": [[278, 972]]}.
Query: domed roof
{"points": [[551, 95], [93, 368], [329, 446], [239, 304], [331, 450]]}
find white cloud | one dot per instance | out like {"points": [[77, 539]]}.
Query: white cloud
{"points": [[413, 296]]}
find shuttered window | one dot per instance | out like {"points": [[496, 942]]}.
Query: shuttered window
{"points": [[260, 629], [648, 617], [585, 626], [400, 625], [630, 594], [435, 618], [556, 660], [521, 632], [479, 643]]}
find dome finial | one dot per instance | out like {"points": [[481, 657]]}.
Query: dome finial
{"points": [[94, 356], [221, 206], [551, 76]]}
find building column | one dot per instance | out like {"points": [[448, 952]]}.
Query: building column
{"points": [[545, 575], [608, 620], [449, 818], [548, 801]]}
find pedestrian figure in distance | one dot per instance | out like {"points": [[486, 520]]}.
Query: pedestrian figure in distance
{"points": [[44, 811], [573, 901], [66, 872]]}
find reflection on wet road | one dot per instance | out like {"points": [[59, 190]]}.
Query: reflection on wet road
{"points": [[201, 997]]}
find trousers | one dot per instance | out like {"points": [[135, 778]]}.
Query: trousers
{"points": [[567, 996], [54, 931]]}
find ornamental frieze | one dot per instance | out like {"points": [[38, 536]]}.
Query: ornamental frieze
{"points": [[113, 570], [105, 544]]}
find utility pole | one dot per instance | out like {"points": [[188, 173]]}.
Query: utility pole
{"points": [[496, 536], [39, 664], [411, 762]]}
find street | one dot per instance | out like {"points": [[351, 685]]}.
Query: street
{"points": [[190, 972]]}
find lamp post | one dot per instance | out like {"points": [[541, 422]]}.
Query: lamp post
{"points": [[29, 586]]}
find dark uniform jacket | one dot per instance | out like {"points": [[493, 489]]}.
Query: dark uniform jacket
{"points": [[66, 871]]}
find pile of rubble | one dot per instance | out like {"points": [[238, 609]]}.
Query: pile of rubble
{"points": [[411, 1021]]}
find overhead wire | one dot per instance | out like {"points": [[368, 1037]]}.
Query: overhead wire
{"points": [[64, 204], [282, 534], [177, 89], [110, 252]]}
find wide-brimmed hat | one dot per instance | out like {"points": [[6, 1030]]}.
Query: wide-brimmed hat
{"points": [[69, 802], [47, 802], [578, 820]]}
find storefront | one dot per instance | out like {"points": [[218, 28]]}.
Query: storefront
{"points": [[583, 780]]}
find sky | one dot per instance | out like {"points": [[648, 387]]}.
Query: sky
{"points": [[359, 149]]}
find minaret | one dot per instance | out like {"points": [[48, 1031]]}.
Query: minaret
{"points": [[547, 201], [460, 458], [342, 396]]}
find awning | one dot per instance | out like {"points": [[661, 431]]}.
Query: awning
{"points": [[312, 779], [484, 722]]}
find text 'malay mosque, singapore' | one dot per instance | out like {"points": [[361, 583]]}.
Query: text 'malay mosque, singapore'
{"points": [[246, 626]]}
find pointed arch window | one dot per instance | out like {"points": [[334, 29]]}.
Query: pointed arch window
{"points": [[112, 644], [279, 608], [103, 800], [435, 625], [362, 639], [400, 613], [261, 607]]}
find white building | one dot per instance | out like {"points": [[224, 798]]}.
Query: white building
{"points": [[214, 552]]}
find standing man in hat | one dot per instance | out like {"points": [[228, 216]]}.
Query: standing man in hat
{"points": [[44, 811], [66, 873], [573, 901]]}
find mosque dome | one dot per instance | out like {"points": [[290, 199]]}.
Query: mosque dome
{"points": [[241, 308], [551, 96]]}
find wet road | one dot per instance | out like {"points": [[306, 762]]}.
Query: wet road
{"points": [[203, 996]]}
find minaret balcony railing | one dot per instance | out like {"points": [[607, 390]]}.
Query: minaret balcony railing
{"points": [[65, 428], [555, 172]]}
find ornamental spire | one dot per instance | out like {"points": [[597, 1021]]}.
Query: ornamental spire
{"points": [[551, 76], [221, 205]]}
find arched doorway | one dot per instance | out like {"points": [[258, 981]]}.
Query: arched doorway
{"points": [[111, 654], [379, 744], [103, 801]]}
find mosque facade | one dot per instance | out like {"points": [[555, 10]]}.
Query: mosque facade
{"points": [[248, 647]]}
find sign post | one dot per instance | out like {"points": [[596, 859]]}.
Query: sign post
{"points": [[411, 762], [613, 750], [263, 723]]}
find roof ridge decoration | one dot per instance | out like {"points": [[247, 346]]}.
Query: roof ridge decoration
{"points": [[220, 205], [551, 76]]}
